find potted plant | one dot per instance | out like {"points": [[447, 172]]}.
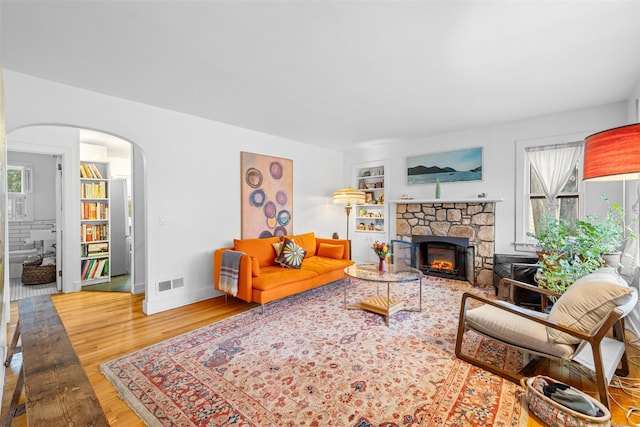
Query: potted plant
{"points": [[566, 252], [588, 243], [601, 239], [552, 235]]}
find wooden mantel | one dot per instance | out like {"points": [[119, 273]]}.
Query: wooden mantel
{"points": [[421, 201]]}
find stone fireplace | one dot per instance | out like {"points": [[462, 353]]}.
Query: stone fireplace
{"points": [[449, 257], [470, 220]]}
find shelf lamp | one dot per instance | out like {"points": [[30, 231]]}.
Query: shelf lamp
{"points": [[348, 196], [614, 155]]}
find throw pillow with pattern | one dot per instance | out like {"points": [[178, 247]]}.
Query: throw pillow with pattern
{"points": [[291, 254]]}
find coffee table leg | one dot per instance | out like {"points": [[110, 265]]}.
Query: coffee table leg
{"points": [[344, 286], [388, 304]]}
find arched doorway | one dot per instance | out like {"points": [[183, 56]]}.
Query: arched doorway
{"points": [[70, 144]]}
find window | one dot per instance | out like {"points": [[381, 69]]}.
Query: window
{"points": [[568, 200], [553, 184], [531, 202], [19, 192]]}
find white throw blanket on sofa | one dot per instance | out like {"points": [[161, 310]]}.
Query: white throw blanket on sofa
{"points": [[229, 271]]}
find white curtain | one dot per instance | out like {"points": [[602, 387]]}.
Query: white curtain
{"points": [[553, 164]]}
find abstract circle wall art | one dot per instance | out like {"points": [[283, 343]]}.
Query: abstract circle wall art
{"points": [[266, 193]]}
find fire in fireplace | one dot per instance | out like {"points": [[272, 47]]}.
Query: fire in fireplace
{"points": [[450, 257]]}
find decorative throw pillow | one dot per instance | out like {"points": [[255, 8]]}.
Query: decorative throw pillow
{"points": [[277, 247], [587, 301], [307, 241], [330, 251], [291, 254]]}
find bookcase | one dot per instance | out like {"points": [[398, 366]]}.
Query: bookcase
{"points": [[371, 216], [94, 223]]}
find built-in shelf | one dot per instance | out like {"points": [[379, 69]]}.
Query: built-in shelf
{"points": [[95, 229]]}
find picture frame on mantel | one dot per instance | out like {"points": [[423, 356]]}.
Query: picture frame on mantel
{"points": [[267, 195], [446, 166]]}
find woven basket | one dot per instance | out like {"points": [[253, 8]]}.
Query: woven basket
{"points": [[554, 414], [33, 274]]}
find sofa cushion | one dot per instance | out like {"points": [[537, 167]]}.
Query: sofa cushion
{"points": [[275, 276], [514, 329], [307, 241], [586, 303], [322, 265], [259, 248], [330, 251], [291, 254]]}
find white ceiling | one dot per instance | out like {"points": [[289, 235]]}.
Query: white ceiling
{"points": [[337, 74]]}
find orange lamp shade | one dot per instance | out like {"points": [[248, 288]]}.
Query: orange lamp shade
{"points": [[613, 154]]}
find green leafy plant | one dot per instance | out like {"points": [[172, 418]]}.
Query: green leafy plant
{"points": [[571, 251], [551, 234]]}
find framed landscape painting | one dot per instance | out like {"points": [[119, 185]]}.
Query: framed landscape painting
{"points": [[267, 195], [448, 166]]}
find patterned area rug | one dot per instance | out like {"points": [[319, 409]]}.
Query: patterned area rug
{"points": [[309, 362]]}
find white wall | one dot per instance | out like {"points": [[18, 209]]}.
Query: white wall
{"points": [[193, 177], [499, 166]]}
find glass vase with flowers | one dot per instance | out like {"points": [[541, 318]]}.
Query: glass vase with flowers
{"points": [[382, 250]]}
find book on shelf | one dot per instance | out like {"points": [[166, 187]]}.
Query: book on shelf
{"points": [[94, 266], [93, 233], [85, 269], [84, 172], [93, 190], [94, 211], [97, 248], [96, 172], [90, 171]]}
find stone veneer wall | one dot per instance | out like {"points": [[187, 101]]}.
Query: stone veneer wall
{"points": [[475, 221]]}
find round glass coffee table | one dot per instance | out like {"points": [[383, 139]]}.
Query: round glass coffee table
{"points": [[380, 304]]}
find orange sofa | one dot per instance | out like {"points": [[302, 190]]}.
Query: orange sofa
{"points": [[262, 280]]}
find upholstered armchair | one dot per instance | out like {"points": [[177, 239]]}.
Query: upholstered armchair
{"points": [[576, 328]]}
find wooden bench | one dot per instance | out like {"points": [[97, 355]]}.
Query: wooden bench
{"points": [[56, 387]]}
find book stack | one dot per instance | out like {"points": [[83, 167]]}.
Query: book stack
{"points": [[99, 249], [93, 268], [97, 190], [93, 233], [94, 211], [90, 171]]}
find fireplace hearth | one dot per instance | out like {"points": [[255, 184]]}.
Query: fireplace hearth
{"points": [[450, 257]]}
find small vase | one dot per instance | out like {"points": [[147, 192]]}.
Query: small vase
{"points": [[382, 265], [437, 188]]}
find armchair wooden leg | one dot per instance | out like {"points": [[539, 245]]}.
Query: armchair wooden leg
{"points": [[601, 380], [618, 332]]}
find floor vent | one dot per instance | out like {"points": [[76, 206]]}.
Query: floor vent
{"points": [[167, 285], [164, 286]]}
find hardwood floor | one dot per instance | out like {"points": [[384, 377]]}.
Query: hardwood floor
{"points": [[105, 325]]}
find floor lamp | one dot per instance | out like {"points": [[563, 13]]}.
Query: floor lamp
{"points": [[614, 155], [348, 196]]}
